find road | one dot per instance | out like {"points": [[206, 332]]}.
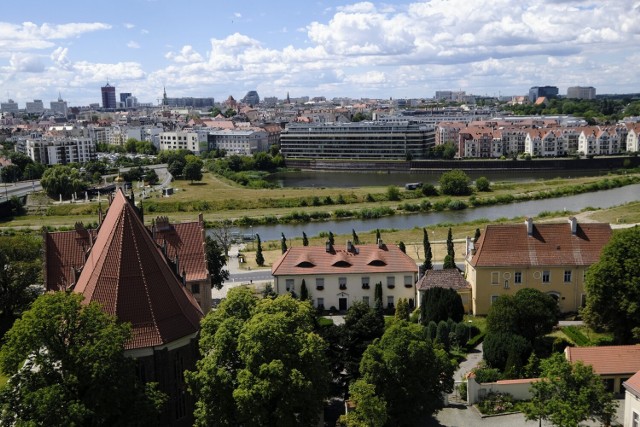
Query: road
{"points": [[19, 189]]}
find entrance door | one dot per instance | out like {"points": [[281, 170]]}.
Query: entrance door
{"points": [[342, 304]]}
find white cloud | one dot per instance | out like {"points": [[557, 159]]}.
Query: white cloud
{"points": [[133, 45], [186, 55], [26, 63], [237, 15], [128, 25]]}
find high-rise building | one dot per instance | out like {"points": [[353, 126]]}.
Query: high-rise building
{"points": [[581, 92], [35, 107], [546, 91], [251, 98], [59, 107], [124, 96], [9, 107], [108, 97]]}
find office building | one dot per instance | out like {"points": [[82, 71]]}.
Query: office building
{"points": [[59, 107], [108, 97], [35, 107], [542, 91], [9, 107], [581, 92], [251, 98]]}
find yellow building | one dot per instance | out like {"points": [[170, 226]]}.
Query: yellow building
{"points": [[550, 257]]}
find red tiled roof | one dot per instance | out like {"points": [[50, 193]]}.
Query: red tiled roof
{"points": [[633, 384], [550, 244], [607, 360], [126, 273], [186, 241], [450, 278], [65, 251], [306, 260]]}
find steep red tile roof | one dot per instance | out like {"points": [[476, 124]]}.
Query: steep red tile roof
{"points": [[65, 251], [550, 244], [185, 240], [126, 273], [307, 260], [633, 384], [607, 360], [450, 278]]}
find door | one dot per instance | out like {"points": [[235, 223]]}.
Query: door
{"points": [[342, 304]]}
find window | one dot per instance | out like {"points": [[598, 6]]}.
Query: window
{"points": [[408, 281], [635, 419], [390, 301], [506, 284], [495, 278], [391, 282], [319, 283], [546, 276], [342, 281], [365, 300], [195, 288], [365, 283], [494, 298], [517, 277], [320, 303], [567, 276], [289, 285]]}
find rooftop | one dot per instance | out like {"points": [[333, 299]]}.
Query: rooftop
{"points": [[607, 360]]}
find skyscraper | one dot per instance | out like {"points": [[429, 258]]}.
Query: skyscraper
{"points": [[109, 97]]}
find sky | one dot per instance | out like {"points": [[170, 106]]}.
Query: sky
{"points": [[395, 49]]}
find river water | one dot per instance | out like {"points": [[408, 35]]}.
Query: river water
{"points": [[600, 199]]}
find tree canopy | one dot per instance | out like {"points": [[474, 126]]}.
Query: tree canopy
{"points": [[428, 254], [216, 262], [454, 183], [403, 364], [20, 277], [262, 364], [441, 304], [613, 287], [569, 394], [63, 180], [67, 365]]}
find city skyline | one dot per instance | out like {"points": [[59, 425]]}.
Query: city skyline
{"points": [[408, 49]]}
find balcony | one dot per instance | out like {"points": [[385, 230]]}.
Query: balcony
{"points": [[320, 287], [365, 286], [343, 286]]}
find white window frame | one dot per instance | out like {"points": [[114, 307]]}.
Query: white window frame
{"points": [[494, 298], [390, 301], [517, 277], [569, 274], [320, 302], [289, 284], [546, 276], [495, 277]]}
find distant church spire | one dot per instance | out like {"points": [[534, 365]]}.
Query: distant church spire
{"points": [[288, 100], [164, 96]]}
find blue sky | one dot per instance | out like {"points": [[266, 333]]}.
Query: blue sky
{"points": [[315, 48]]}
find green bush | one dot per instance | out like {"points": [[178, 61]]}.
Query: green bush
{"points": [[496, 403], [576, 336]]}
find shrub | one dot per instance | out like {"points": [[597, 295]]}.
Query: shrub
{"points": [[429, 190], [483, 184], [496, 403], [457, 205], [576, 336]]}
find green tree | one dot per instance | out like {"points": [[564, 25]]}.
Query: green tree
{"points": [[402, 309], [20, 276], [67, 365], [259, 256], [477, 235], [33, 171], [193, 170], [369, 410], [262, 364], [305, 239], [304, 292], [483, 184], [283, 243], [404, 364], [11, 173], [613, 287], [354, 236], [450, 247], [393, 193], [62, 180], [442, 334], [428, 255], [529, 313], [569, 394], [362, 325], [441, 304], [454, 183], [216, 261], [402, 247], [506, 351]]}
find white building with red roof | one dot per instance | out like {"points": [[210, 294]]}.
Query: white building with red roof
{"points": [[615, 364], [632, 401], [337, 277]]}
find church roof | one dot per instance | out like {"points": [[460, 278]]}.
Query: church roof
{"points": [[128, 276]]}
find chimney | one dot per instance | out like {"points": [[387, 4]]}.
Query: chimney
{"points": [[349, 246], [574, 225], [529, 223], [184, 278], [327, 247]]}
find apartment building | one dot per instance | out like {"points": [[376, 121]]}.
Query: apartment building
{"points": [[55, 151], [238, 141], [181, 140], [581, 92]]}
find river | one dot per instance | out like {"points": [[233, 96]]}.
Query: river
{"points": [[600, 199]]}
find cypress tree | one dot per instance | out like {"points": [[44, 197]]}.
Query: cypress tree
{"points": [[283, 243], [331, 239], [259, 256], [305, 240], [476, 236], [450, 248], [377, 235], [428, 255], [402, 247], [354, 237]]}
